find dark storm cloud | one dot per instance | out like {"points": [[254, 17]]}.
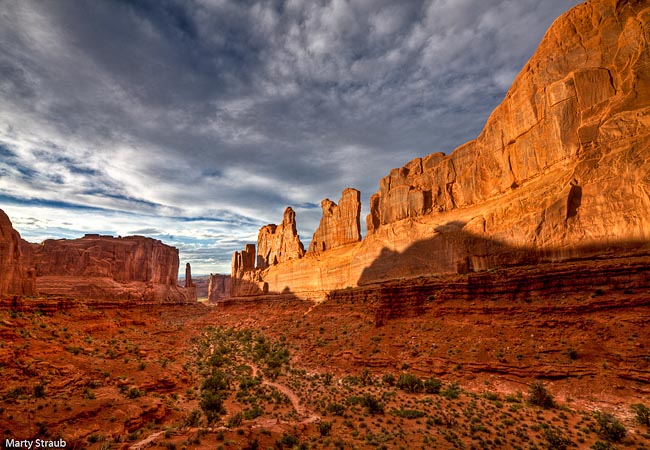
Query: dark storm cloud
{"points": [[232, 110]]}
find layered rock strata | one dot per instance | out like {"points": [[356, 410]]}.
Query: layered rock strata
{"points": [[560, 171], [340, 224], [16, 278], [576, 118], [133, 268], [279, 243]]}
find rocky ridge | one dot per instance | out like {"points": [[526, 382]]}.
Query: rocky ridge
{"points": [[560, 171]]}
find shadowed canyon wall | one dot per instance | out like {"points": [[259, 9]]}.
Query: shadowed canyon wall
{"points": [[15, 277], [561, 170]]}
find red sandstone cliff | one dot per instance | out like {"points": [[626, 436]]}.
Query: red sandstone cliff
{"points": [[133, 268], [340, 224], [15, 276], [279, 243], [559, 171], [218, 287]]}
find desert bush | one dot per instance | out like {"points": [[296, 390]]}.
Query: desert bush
{"points": [[609, 427], [235, 421], [388, 379], [193, 419], [432, 385], [572, 353], [336, 409], [212, 395], [324, 428], [452, 391], [253, 412], [408, 413], [288, 440], [539, 396], [642, 414], [410, 383], [39, 390], [600, 445], [556, 440]]}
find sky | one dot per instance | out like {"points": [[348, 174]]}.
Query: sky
{"points": [[196, 122]]}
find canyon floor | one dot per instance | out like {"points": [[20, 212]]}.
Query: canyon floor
{"points": [[286, 373]]}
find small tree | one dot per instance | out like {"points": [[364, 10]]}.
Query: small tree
{"points": [[213, 392], [539, 396]]}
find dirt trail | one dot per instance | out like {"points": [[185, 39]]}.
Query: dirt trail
{"points": [[143, 443], [309, 416]]}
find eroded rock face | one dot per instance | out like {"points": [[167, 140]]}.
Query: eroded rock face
{"points": [[218, 287], [571, 136], [243, 261], [340, 224], [188, 275], [279, 243], [16, 278], [560, 171], [103, 267]]}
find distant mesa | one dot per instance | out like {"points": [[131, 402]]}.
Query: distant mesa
{"points": [[102, 268], [560, 171]]}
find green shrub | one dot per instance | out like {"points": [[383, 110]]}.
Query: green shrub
{"points": [[39, 390], [288, 440], [452, 391], [388, 379], [600, 445], [556, 440], [410, 383], [408, 413], [539, 396], [432, 385], [253, 412], [324, 428], [609, 427], [336, 409], [642, 414], [235, 421]]}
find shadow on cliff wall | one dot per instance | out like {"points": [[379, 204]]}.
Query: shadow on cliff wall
{"points": [[455, 250], [245, 289]]}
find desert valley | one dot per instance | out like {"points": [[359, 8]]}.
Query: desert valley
{"points": [[496, 296]]}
